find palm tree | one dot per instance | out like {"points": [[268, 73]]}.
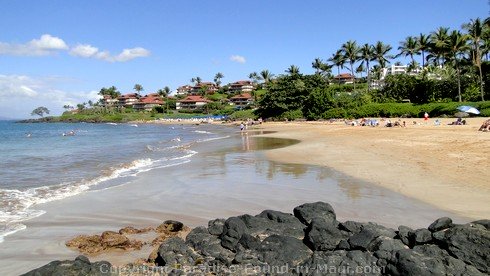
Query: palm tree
{"points": [[254, 77], [164, 92], [138, 88], [438, 48], [338, 60], [217, 78], [350, 50], [456, 45], [409, 47], [292, 70], [475, 31], [266, 76], [196, 80], [317, 65], [366, 55], [423, 42], [381, 51]]}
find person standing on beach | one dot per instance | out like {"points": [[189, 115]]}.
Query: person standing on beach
{"points": [[426, 117], [242, 126]]}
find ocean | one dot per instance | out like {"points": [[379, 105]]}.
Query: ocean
{"points": [[43, 162]]}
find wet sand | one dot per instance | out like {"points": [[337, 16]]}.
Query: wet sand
{"points": [[446, 166], [226, 178]]}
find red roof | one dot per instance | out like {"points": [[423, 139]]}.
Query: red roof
{"points": [[241, 96], [194, 99], [151, 100], [128, 96], [344, 76]]}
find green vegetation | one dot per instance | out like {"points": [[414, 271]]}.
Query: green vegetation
{"points": [[455, 67], [40, 111]]}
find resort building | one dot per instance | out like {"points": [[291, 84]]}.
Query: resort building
{"points": [[206, 87], [148, 102], [240, 87], [128, 100], [394, 69], [183, 90], [242, 100], [344, 78], [107, 101], [191, 102]]}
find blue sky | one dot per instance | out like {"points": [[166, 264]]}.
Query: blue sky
{"points": [[55, 52]]}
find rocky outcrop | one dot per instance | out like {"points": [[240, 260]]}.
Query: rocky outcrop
{"points": [[80, 266], [125, 239], [313, 242], [106, 241]]}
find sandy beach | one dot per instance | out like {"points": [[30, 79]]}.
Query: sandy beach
{"points": [[445, 165], [227, 177]]}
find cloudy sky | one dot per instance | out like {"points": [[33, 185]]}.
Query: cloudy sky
{"points": [[54, 53]]}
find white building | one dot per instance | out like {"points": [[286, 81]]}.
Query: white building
{"points": [[392, 70]]}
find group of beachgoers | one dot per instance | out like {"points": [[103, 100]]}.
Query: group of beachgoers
{"points": [[376, 122], [399, 123]]}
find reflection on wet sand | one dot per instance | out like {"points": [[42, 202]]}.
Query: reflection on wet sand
{"points": [[254, 143]]}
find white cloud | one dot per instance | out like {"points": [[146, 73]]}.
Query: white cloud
{"points": [[19, 95], [89, 51], [84, 50], [45, 45], [48, 44], [129, 54], [237, 58]]}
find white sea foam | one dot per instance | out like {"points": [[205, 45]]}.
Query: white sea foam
{"points": [[15, 205], [212, 139], [203, 132], [10, 229]]}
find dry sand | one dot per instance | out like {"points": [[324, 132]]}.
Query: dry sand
{"points": [[446, 166]]}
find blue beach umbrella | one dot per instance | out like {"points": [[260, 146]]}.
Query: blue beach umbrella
{"points": [[468, 109]]}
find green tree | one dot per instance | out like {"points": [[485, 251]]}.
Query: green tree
{"points": [[40, 111], [293, 70], [423, 42], [318, 102], [457, 45], [111, 91], [438, 46], [254, 77], [475, 31], [217, 78], [381, 55], [196, 80], [367, 55], [350, 50], [266, 76], [317, 65], [164, 92], [409, 47], [338, 60], [287, 95], [138, 88]]}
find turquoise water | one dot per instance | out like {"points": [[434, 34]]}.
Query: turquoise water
{"points": [[40, 164]]}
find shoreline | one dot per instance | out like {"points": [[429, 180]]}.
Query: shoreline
{"points": [[443, 165], [226, 178]]}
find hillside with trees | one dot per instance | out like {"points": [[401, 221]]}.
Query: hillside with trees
{"points": [[446, 69]]}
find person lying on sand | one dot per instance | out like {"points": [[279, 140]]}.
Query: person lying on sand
{"points": [[485, 126], [458, 122]]}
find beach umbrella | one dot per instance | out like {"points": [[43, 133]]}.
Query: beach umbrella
{"points": [[468, 109]]}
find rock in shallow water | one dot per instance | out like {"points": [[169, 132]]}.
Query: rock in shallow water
{"points": [[313, 243], [306, 212], [80, 266]]}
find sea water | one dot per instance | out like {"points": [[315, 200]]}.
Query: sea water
{"points": [[42, 162]]}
